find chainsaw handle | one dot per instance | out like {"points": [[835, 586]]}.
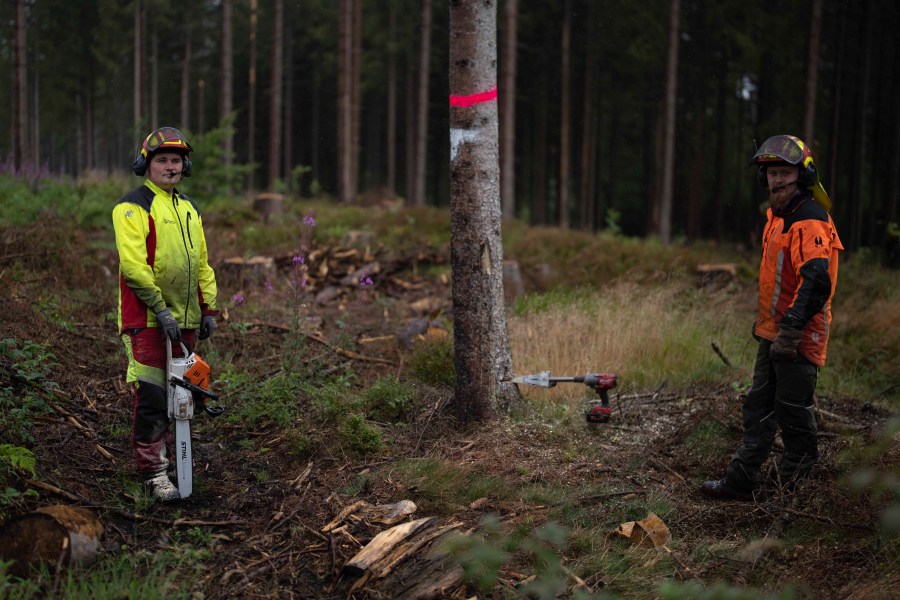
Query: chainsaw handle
{"points": [[213, 411]]}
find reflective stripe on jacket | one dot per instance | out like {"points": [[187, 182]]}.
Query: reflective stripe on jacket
{"points": [[798, 275], [163, 260]]}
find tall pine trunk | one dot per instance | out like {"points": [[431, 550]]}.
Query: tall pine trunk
{"points": [[812, 73], [480, 338], [667, 179], [287, 163], [20, 87], [185, 120], [345, 101], [275, 122], [355, 97], [421, 155], [508, 109], [392, 101], [138, 73], [564, 118], [251, 101], [226, 91]]}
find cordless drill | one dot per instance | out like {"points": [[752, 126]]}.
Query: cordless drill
{"points": [[599, 411]]}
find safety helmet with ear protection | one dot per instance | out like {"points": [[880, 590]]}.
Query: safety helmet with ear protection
{"points": [[790, 150], [164, 139]]}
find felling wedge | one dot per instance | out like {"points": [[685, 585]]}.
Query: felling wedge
{"points": [[187, 379]]}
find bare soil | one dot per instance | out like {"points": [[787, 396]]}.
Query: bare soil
{"points": [[264, 531]]}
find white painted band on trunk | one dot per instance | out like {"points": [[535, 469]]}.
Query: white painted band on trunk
{"points": [[458, 136]]}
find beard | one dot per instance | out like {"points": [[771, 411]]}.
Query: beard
{"points": [[780, 196]]}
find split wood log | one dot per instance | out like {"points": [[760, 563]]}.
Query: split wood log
{"points": [[382, 544]]}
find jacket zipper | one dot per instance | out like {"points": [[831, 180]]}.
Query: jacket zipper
{"points": [[187, 253]]}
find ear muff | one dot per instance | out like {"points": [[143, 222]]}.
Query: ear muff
{"points": [[760, 176], [808, 176], [140, 163], [186, 168]]}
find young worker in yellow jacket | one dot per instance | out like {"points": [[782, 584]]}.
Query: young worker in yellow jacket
{"points": [[166, 290], [797, 278]]}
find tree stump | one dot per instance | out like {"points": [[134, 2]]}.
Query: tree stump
{"points": [[267, 204]]}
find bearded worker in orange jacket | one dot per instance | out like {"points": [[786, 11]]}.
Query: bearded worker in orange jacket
{"points": [[167, 290], [797, 278]]}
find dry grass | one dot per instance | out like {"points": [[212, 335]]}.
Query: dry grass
{"points": [[647, 335]]}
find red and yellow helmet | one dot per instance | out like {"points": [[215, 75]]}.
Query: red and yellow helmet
{"points": [[164, 139], [789, 149]]}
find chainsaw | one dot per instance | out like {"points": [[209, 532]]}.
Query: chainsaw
{"points": [[599, 411], [187, 379]]}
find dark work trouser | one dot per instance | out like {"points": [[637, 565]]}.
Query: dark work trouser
{"points": [[781, 396]]}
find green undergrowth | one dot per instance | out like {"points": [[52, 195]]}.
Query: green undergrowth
{"points": [[152, 576]]}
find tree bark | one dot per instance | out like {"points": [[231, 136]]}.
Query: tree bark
{"points": [[481, 341], [421, 154], [564, 118], [812, 73], [667, 183], [226, 91], [275, 122], [508, 109]]}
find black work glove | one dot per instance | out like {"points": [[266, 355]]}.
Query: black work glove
{"points": [[785, 345], [207, 326], [168, 324]]}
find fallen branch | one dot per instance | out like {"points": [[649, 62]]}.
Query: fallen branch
{"points": [[609, 495], [85, 430], [348, 353], [718, 351]]}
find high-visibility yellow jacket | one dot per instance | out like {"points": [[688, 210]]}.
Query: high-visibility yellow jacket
{"points": [[163, 260], [798, 275]]}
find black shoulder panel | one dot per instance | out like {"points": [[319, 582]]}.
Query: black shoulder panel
{"points": [[142, 196], [809, 210]]}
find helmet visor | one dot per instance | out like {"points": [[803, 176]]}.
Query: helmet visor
{"points": [[780, 148]]}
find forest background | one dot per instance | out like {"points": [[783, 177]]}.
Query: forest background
{"points": [[611, 112], [633, 122]]}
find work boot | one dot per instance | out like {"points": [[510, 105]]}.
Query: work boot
{"points": [[161, 488], [719, 489]]}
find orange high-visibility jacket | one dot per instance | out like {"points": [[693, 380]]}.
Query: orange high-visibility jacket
{"points": [[798, 275]]}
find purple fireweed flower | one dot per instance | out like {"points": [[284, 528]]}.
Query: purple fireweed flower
{"points": [[237, 299], [305, 283], [366, 281], [299, 259], [309, 221], [268, 286]]}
